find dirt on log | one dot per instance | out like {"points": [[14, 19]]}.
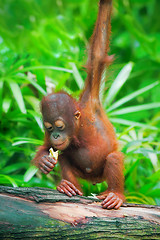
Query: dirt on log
{"points": [[40, 213]]}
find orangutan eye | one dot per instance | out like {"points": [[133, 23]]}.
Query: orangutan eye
{"points": [[60, 124], [48, 126]]}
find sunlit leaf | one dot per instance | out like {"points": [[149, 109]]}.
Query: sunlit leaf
{"points": [[6, 104], [141, 199], [146, 151], [36, 85], [38, 118], [133, 145], [118, 83], [131, 96], [30, 173], [34, 102], [17, 95], [77, 76], [10, 180], [137, 108], [26, 69], [132, 123], [154, 159], [19, 141]]}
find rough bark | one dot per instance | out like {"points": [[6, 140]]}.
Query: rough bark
{"points": [[40, 213]]}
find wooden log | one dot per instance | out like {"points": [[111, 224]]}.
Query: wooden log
{"points": [[40, 213]]}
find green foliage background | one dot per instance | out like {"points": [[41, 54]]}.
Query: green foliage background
{"points": [[42, 47]]}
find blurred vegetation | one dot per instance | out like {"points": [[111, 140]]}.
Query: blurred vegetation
{"points": [[42, 47]]}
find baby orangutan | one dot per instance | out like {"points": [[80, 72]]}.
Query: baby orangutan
{"points": [[81, 129]]}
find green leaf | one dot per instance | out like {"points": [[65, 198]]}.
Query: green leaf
{"points": [[132, 123], [133, 145], [26, 69], [118, 83], [34, 102], [18, 64], [131, 96], [146, 151], [38, 118], [147, 42], [1, 90], [19, 141], [153, 157], [30, 173], [14, 167], [6, 104], [131, 168], [154, 193], [17, 95], [137, 108], [135, 199], [11, 180], [36, 85], [77, 76], [139, 198], [155, 176], [145, 188]]}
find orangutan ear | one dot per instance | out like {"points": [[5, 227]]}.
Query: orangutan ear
{"points": [[77, 114]]}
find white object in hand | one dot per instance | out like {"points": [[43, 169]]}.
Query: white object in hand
{"points": [[53, 154]]}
